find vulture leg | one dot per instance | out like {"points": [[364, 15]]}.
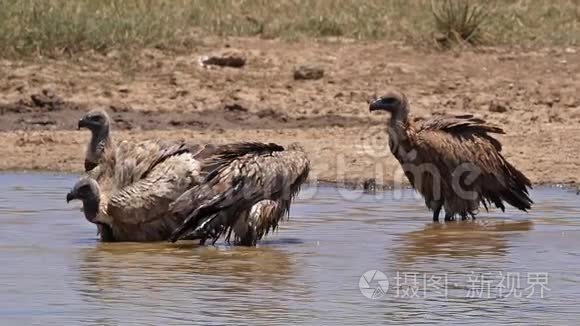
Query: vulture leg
{"points": [[449, 216], [436, 212], [228, 237]]}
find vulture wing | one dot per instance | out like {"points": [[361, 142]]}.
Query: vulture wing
{"points": [[148, 177], [465, 126], [134, 161], [449, 143], [241, 175]]}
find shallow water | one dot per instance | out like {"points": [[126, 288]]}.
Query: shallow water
{"points": [[54, 272]]}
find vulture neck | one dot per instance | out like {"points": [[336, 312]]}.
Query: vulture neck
{"points": [[91, 205], [91, 209], [99, 141], [400, 133], [400, 116], [399, 122]]}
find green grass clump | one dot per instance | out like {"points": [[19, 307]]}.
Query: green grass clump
{"points": [[459, 21]]}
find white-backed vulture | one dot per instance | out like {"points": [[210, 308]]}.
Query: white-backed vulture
{"points": [[453, 162], [246, 181], [136, 186]]}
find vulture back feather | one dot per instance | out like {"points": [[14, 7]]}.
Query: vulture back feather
{"points": [[466, 127]]}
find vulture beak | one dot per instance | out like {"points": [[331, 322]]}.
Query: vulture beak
{"points": [[83, 123], [377, 105], [70, 196]]}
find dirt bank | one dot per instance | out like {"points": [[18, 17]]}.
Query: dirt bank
{"points": [[534, 95]]}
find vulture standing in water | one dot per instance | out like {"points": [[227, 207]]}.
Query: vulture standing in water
{"points": [[129, 163], [453, 162]]}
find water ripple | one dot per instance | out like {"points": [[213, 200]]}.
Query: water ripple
{"points": [[55, 272]]}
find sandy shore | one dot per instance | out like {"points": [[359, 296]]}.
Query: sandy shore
{"points": [[533, 95]]}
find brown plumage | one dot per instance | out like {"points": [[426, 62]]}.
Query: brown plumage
{"points": [[135, 188], [453, 162], [248, 192], [253, 224]]}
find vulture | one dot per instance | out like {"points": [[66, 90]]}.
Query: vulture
{"points": [[454, 162], [117, 167], [248, 191]]}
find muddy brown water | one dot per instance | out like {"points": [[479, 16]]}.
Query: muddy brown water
{"points": [[502, 269]]}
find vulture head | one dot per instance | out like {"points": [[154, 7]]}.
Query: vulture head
{"points": [[86, 190], [96, 121], [393, 102]]}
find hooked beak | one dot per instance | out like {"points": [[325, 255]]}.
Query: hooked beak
{"points": [[70, 196], [377, 105], [83, 123]]}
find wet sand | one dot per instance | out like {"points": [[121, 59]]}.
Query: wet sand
{"points": [[532, 94]]}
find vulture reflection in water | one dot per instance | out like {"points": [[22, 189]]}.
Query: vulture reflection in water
{"points": [[113, 276], [460, 240], [100, 265], [453, 162]]}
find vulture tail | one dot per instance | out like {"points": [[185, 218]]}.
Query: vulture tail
{"points": [[512, 188], [516, 192]]}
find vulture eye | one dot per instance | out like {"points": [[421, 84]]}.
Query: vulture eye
{"points": [[85, 189]]}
